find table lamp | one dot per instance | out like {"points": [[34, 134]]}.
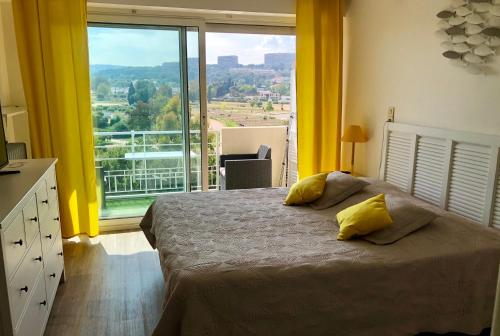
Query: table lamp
{"points": [[353, 133]]}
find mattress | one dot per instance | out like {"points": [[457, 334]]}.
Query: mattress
{"points": [[240, 263]]}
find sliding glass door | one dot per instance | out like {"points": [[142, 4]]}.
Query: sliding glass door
{"points": [[145, 87]]}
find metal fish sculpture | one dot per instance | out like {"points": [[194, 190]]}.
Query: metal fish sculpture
{"points": [[459, 39], [494, 42], [463, 11], [473, 59], [492, 31], [484, 51], [445, 14], [458, 3], [457, 20], [472, 29], [495, 10], [452, 54], [476, 39], [474, 19], [455, 30], [461, 48]]}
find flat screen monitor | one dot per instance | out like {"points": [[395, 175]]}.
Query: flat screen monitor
{"points": [[4, 159]]}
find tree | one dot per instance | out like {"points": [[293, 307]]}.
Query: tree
{"points": [[100, 122], [140, 117], [103, 91], [144, 90], [170, 117], [194, 91], [269, 106], [98, 80], [131, 94], [282, 88], [165, 90]]}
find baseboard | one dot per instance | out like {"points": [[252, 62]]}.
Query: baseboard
{"points": [[119, 224]]}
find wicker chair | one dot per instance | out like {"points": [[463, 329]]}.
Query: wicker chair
{"points": [[246, 171]]}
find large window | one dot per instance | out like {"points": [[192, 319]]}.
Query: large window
{"points": [[162, 96]]}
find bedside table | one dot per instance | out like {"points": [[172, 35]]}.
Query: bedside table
{"points": [[495, 328]]}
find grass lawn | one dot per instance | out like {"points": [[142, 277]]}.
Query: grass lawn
{"points": [[128, 207]]}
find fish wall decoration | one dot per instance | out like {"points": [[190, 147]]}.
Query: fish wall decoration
{"points": [[470, 30]]}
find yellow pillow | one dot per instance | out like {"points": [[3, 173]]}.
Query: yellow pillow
{"points": [[306, 190], [363, 218]]}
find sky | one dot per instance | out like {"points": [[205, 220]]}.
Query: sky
{"points": [[148, 47]]}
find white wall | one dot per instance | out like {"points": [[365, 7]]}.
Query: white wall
{"points": [[393, 58], [245, 140], [262, 6]]}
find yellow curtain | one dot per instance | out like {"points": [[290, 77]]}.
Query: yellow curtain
{"points": [[53, 53], [319, 85]]}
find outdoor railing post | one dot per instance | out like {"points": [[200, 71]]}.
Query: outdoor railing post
{"points": [[132, 133], [100, 186]]}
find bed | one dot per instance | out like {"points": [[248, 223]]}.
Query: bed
{"points": [[240, 263]]}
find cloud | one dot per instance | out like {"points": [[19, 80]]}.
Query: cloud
{"points": [[132, 47], [149, 47], [250, 48]]}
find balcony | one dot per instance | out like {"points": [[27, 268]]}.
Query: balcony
{"points": [[134, 167]]}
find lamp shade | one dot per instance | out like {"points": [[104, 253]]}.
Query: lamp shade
{"points": [[353, 133]]}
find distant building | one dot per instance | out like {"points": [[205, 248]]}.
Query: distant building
{"points": [[284, 100], [228, 61], [279, 60], [269, 96]]}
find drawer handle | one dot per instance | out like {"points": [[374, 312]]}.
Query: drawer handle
{"points": [[45, 202], [56, 219], [53, 188], [53, 275], [24, 289], [48, 236], [39, 258], [43, 303], [60, 254], [34, 219], [19, 242]]}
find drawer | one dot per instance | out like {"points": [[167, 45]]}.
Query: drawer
{"points": [[36, 313], [30, 216], [14, 245], [54, 265], [23, 282], [52, 186], [42, 199], [49, 228]]}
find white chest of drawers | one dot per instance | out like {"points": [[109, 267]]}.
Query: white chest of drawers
{"points": [[31, 260]]}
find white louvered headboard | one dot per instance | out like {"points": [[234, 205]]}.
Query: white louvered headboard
{"points": [[456, 171]]}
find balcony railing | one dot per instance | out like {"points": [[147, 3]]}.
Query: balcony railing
{"points": [[147, 163]]}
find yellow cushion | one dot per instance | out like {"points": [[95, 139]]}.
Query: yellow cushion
{"points": [[363, 218], [307, 190]]}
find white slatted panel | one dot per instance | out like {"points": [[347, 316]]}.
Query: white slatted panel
{"points": [[429, 169], [469, 179], [496, 206], [397, 169]]}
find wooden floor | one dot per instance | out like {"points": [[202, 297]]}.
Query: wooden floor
{"points": [[114, 286]]}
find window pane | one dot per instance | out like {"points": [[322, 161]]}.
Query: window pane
{"points": [[248, 79], [138, 116]]}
